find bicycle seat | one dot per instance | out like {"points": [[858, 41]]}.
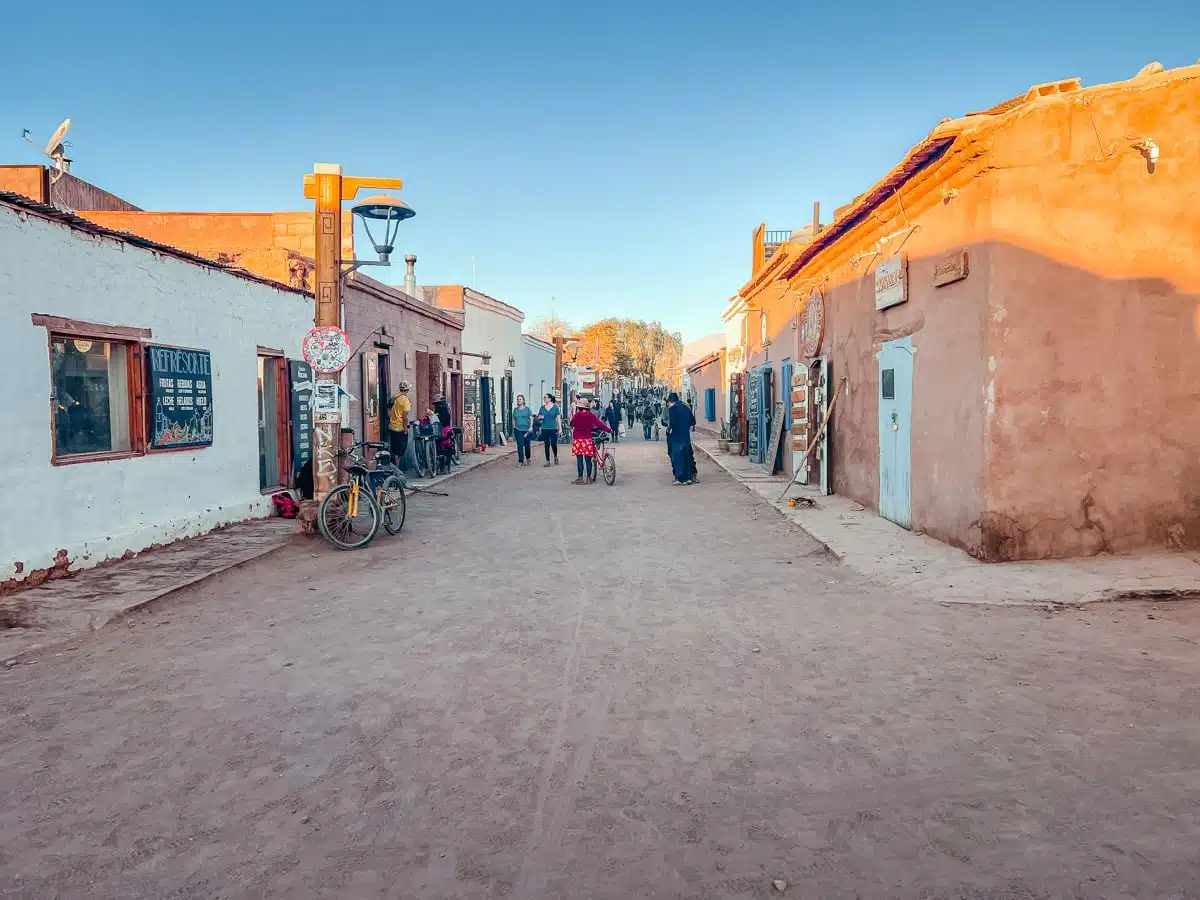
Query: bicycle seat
{"points": [[357, 470]]}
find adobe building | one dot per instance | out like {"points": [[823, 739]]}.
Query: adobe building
{"points": [[397, 336], [1009, 321], [704, 389]]}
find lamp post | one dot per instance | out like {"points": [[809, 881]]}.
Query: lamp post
{"points": [[328, 187]]}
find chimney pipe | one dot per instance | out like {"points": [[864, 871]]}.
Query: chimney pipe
{"points": [[410, 276], [816, 218]]}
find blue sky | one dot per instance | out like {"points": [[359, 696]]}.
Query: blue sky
{"points": [[615, 156]]}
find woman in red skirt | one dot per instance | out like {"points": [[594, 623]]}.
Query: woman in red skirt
{"points": [[583, 423]]}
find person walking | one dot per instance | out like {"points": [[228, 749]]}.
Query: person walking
{"points": [[680, 422], [398, 413], [612, 418], [523, 426], [647, 416], [583, 445], [549, 416]]}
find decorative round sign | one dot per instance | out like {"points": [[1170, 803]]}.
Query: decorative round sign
{"points": [[327, 349], [812, 324]]}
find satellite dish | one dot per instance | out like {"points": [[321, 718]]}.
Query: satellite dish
{"points": [[54, 148]]}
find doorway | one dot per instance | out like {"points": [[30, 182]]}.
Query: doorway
{"points": [[895, 427], [273, 415]]}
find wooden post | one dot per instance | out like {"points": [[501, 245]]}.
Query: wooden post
{"points": [[327, 426]]}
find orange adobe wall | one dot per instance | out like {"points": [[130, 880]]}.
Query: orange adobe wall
{"points": [[1056, 389], [1094, 284], [278, 245]]}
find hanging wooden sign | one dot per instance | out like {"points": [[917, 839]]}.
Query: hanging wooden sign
{"points": [[772, 458], [812, 324]]}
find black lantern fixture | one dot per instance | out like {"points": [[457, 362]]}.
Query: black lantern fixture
{"points": [[391, 212]]}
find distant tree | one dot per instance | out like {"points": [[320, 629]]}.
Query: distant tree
{"points": [[549, 327]]}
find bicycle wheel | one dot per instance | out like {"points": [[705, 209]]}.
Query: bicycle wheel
{"points": [[393, 503], [431, 460], [610, 469], [591, 473], [343, 525], [419, 459]]}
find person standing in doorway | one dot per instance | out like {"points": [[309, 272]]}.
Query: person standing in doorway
{"points": [[680, 422], [549, 416], [523, 426], [398, 415]]}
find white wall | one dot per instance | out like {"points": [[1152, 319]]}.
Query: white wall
{"points": [[539, 372], [100, 510], [495, 328]]}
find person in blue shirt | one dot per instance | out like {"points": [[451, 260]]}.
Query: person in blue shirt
{"points": [[549, 416], [523, 426]]}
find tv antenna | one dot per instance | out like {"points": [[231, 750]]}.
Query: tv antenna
{"points": [[56, 149]]}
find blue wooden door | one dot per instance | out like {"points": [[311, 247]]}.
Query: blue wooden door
{"points": [[895, 431]]}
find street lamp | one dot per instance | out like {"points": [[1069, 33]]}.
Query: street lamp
{"points": [[391, 212]]}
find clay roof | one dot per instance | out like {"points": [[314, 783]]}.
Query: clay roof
{"points": [[75, 223]]}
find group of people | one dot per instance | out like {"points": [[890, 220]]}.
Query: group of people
{"points": [[546, 422], [587, 419], [436, 417]]}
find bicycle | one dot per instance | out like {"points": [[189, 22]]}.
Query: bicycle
{"points": [[350, 515], [606, 459]]}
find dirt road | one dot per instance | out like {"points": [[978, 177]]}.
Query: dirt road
{"points": [[549, 691]]}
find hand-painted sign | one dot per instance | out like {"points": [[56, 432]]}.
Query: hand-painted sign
{"points": [[951, 268], [891, 282], [772, 457], [301, 376], [327, 349], [180, 397]]}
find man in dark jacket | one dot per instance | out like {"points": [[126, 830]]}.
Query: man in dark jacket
{"points": [[680, 422]]}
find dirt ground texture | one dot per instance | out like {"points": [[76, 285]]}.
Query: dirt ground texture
{"points": [[551, 691]]}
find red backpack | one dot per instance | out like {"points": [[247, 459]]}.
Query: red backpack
{"points": [[285, 506]]}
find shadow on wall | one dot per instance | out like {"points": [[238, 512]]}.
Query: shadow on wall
{"points": [[1056, 412]]}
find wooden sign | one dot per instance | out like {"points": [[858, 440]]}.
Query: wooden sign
{"points": [[951, 268], [812, 324], [776, 437], [891, 282]]}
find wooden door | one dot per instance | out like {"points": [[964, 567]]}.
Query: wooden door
{"points": [[371, 411]]}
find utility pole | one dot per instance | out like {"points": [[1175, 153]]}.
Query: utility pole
{"points": [[329, 188]]}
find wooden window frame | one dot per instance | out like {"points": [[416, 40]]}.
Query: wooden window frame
{"points": [[61, 328]]}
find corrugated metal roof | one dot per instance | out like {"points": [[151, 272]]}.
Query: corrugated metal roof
{"points": [[74, 222]]}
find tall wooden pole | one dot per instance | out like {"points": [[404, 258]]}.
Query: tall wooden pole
{"points": [[559, 342], [327, 427]]}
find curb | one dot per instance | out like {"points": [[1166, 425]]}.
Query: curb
{"points": [[777, 507], [503, 454], [125, 611]]}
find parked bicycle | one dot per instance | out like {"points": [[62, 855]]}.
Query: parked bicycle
{"points": [[350, 515], [606, 458]]}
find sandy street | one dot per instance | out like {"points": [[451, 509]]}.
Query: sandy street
{"points": [[549, 691]]}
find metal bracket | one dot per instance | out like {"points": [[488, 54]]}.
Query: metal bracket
{"points": [[352, 264]]}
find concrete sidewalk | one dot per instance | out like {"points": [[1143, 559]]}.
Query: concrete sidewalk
{"points": [[60, 611], [914, 563]]}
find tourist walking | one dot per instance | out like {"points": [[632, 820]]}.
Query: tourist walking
{"points": [[523, 426], [680, 422], [583, 424], [612, 417], [548, 417]]}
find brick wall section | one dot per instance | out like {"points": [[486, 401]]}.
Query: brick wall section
{"points": [[411, 326]]}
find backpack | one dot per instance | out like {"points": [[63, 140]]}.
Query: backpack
{"points": [[285, 506]]}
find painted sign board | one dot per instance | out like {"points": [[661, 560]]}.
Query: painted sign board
{"points": [[181, 397], [891, 282], [300, 374], [772, 456]]}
